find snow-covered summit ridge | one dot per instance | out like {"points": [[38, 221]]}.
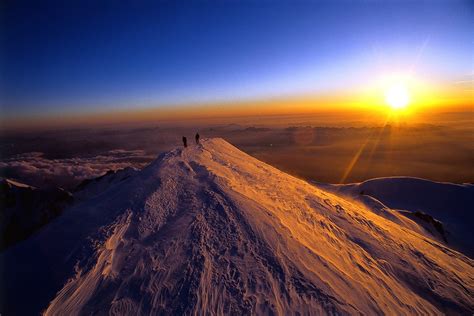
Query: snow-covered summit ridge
{"points": [[209, 229]]}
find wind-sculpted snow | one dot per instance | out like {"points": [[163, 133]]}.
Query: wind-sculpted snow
{"points": [[210, 230]]}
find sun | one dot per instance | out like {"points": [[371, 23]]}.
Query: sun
{"points": [[397, 96]]}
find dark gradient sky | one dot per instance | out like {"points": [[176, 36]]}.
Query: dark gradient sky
{"points": [[67, 58]]}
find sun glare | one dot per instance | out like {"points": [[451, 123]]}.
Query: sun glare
{"points": [[397, 96]]}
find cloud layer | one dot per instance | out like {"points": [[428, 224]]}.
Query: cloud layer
{"points": [[33, 168]]}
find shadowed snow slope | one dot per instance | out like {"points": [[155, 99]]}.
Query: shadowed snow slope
{"points": [[25, 209], [92, 187], [209, 229]]}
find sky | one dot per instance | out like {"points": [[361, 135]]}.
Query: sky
{"points": [[84, 57]]}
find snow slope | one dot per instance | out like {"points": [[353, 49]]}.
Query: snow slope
{"points": [[210, 229], [92, 187], [450, 204]]}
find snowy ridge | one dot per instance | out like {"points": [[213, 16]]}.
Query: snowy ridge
{"points": [[210, 229], [425, 202], [12, 183]]}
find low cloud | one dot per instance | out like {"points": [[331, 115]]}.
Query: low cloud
{"points": [[34, 169]]}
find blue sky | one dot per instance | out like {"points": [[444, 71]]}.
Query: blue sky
{"points": [[84, 57]]}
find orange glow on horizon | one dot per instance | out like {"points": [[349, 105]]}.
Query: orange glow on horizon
{"points": [[424, 98]]}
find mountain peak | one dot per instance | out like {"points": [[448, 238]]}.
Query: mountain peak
{"points": [[210, 229], [204, 152]]}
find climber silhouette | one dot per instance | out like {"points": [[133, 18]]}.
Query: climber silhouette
{"points": [[197, 138], [185, 141]]}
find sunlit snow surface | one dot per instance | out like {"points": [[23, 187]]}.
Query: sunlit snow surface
{"points": [[209, 229]]}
